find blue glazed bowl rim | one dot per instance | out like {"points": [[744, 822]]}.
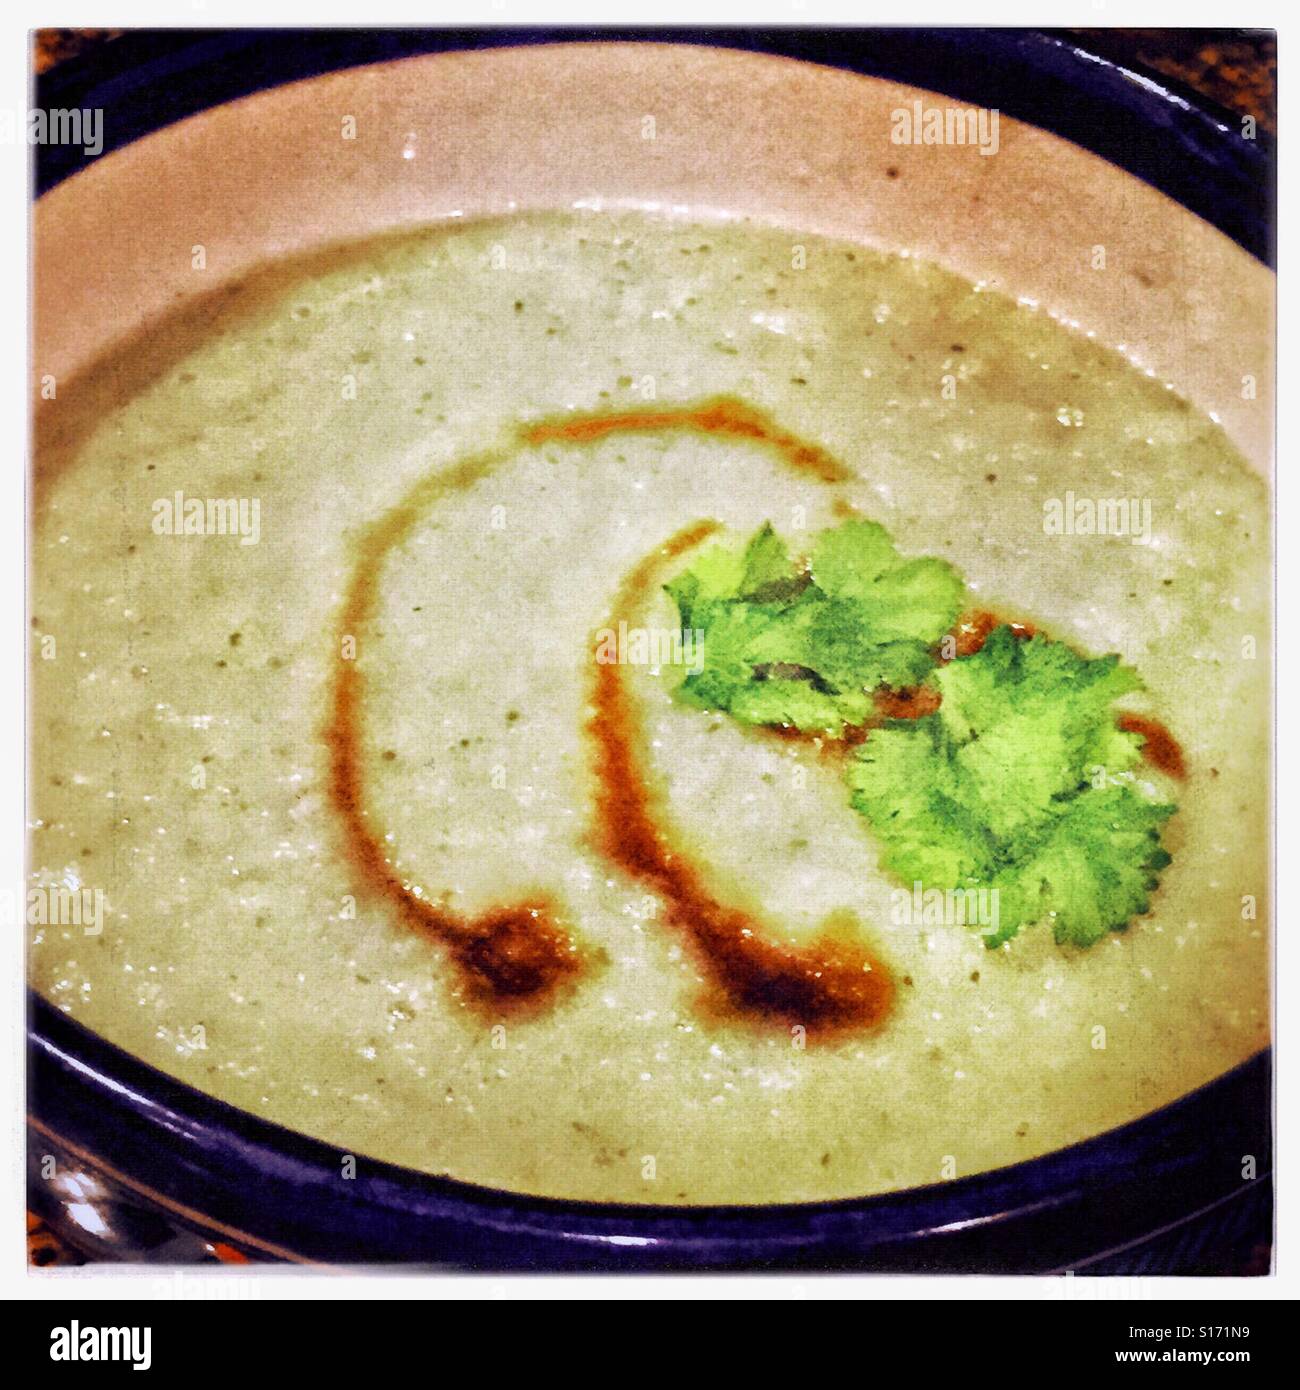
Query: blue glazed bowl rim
{"points": [[1145, 123], [246, 1148], [1151, 125]]}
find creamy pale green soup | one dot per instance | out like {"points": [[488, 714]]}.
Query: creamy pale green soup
{"points": [[184, 687]]}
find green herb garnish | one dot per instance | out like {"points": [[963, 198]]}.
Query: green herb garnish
{"points": [[1020, 781], [805, 646]]}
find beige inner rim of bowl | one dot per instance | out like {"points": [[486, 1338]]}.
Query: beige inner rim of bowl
{"points": [[484, 133]]}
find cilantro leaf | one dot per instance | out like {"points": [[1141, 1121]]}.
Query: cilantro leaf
{"points": [[796, 704], [905, 786], [1097, 867], [899, 599], [846, 561], [766, 562], [1019, 782], [714, 578]]}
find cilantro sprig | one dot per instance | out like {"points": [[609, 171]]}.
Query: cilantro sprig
{"points": [[805, 645], [1020, 781]]}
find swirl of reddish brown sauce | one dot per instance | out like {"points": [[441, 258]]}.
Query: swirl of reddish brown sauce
{"points": [[829, 985], [722, 415], [512, 958], [826, 986], [518, 957]]}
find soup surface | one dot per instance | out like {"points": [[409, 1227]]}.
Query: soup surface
{"points": [[337, 778]]}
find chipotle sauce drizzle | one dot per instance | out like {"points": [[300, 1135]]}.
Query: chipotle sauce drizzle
{"points": [[1161, 749], [518, 956], [723, 415], [972, 631], [828, 985], [511, 958]]}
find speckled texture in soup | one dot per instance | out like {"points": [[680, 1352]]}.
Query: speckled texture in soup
{"points": [[180, 763]]}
